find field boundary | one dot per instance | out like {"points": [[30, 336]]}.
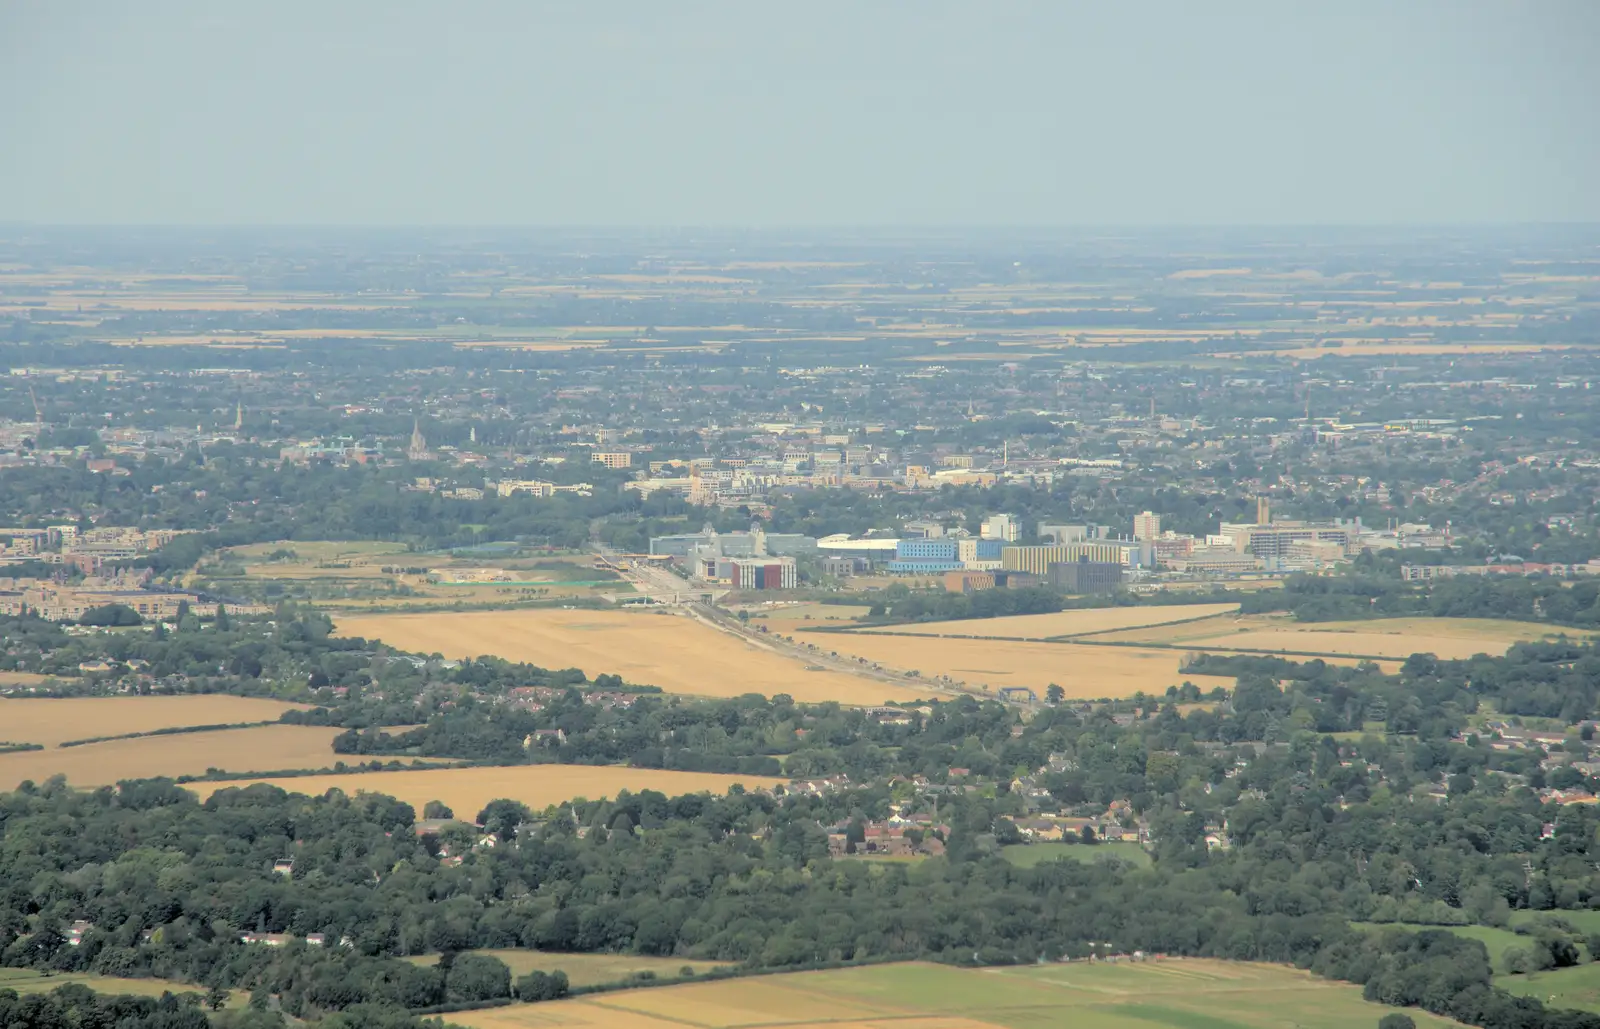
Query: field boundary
{"points": [[889, 630], [1075, 641], [365, 768], [176, 730], [1223, 651], [1140, 628], [715, 974]]}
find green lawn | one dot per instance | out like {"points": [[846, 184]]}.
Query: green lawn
{"points": [[1026, 855], [1494, 940], [586, 969]]}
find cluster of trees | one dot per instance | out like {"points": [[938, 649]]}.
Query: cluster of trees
{"points": [[71, 1006], [77, 1007], [225, 654], [233, 501], [1324, 598], [746, 735], [941, 605], [1426, 696]]}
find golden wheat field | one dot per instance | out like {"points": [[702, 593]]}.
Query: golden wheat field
{"points": [[467, 790], [914, 995], [49, 721], [1084, 672], [671, 651], [1064, 623], [1394, 638], [266, 748]]}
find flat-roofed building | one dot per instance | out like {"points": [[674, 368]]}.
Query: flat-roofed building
{"points": [[966, 581], [1085, 576], [1038, 559], [925, 557], [1273, 539]]}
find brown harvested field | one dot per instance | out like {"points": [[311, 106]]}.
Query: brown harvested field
{"points": [[47, 721], [267, 748], [1063, 623], [1395, 638], [672, 651], [1085, 672], [468, 790]]}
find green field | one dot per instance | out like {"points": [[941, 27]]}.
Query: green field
{"points": [[1175, 993], [1575, 987], [1026, 855], [587, 969], [1494, 940], [26, 980]]}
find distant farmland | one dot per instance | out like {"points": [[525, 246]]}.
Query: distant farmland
{"points": [[674, 652], [468, 790], [1193, 994]]}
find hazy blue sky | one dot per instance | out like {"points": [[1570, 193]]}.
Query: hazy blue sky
{"points": [[802, 113]]}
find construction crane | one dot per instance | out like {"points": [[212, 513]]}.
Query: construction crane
{"points": [[38, 414]]}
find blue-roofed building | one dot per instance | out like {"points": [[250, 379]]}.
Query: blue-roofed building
{"points": [[925, 557]]}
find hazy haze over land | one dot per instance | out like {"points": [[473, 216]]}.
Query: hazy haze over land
{"points": [[816, 114]]}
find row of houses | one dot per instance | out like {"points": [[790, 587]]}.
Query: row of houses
{"points": [[75, 933], [59, 603]]}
